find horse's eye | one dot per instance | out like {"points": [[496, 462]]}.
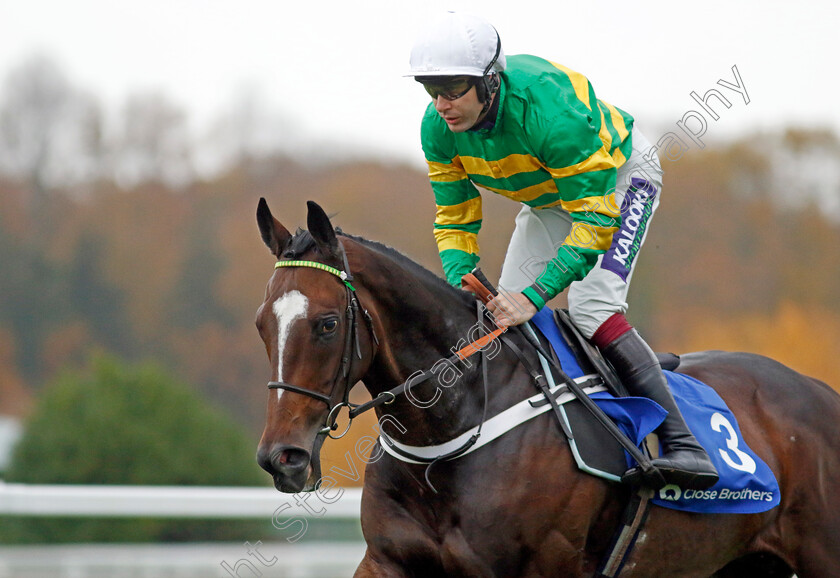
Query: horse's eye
{"points": [[328, 326]]}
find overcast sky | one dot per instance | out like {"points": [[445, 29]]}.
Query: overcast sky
{"points": [[334, 69]]}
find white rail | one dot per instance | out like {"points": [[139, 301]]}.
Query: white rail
{"points": [[175, 502]]}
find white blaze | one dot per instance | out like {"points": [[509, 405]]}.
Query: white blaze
{"points": [[287, 309]]}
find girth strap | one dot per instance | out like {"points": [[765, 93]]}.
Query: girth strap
{"points": [[494, 427]]}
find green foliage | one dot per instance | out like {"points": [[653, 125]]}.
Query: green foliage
{"points": [[128, 424]]}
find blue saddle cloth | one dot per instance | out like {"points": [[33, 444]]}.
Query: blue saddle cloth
{"points": [[746, 485]]}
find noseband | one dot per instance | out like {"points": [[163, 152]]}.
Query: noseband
{"points": [[351, 343]]}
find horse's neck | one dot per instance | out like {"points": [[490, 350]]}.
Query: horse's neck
{"points": [[421, 329]]}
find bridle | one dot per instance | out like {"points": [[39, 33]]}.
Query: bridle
{"points": [[351, 346]]}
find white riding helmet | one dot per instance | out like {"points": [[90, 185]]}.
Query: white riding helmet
{"points": [[457, 44]]}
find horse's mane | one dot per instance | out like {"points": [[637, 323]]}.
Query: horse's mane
{"points": [[405, 261], [302, 241]]}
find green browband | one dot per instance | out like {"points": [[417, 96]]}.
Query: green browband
{"points": [[315, 265]]}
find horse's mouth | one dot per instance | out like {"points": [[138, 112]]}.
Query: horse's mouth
{"points": [[287, 486], [292, 468], [306, 482]]}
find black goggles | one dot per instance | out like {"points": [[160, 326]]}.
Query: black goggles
{"points": [[450, 88]]}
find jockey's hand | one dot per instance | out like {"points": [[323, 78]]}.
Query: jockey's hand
{"points": [[511, 309]]}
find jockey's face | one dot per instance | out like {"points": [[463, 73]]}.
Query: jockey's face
{"points": [[462, 113]]}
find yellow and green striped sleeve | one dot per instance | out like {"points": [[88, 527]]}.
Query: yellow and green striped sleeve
{"points": [[457, 218]]}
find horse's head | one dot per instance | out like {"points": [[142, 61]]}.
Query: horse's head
{"points": [[318, 343]]}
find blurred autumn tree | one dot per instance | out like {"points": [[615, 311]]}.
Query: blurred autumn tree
{"points": [[143, 258], [742, 258]]}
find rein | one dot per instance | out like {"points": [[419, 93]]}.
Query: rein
{"points": [[473, 435], [419, 377], [351, 343]]}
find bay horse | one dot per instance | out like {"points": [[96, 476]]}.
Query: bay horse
{"points": [[340, 309]]}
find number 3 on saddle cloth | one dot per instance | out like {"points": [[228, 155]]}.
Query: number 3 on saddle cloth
{"points": [[746, 485]]}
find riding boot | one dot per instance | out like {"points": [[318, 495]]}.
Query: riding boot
{"points": [[683, 462]]}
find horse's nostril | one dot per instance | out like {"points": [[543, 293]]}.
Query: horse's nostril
{"points": [[285, 460], [292, 459]]}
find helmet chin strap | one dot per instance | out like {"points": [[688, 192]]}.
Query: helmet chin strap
{"points": [[490, 83], [487, 89], [490, 88]]}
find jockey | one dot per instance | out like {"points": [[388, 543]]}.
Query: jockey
{"points": [[589, 184]]}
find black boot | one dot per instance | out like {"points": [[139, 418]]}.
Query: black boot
{"points": [[684, 462]]}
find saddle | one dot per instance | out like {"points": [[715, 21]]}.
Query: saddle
{"points": [[589, 357], [595, 450], [598, 443]]}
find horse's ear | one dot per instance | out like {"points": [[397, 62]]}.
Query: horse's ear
{"points": [[274, 235], [321, 229]]}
